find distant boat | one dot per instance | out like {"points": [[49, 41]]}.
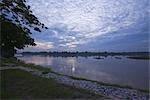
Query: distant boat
{"points": [[98, 58]]}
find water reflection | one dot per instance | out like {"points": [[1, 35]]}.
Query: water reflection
{"points": [[111, 70], [40, 60], [72, 62]]}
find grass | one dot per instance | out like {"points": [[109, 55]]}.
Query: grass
{"points": [[18, 84]]}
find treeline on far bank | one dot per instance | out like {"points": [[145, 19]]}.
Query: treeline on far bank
{"points": [[86, 53]]}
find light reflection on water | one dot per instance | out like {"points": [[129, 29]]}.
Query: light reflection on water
{"points": [[110, 70]]}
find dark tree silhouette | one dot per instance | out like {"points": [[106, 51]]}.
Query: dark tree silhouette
{"points": [[17, 21]]}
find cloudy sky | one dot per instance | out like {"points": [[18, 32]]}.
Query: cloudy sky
{"points": [[91, 25]]}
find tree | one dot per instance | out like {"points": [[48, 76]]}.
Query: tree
{"points": [[17, 22]]}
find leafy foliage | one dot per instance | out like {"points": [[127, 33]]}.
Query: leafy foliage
{"points": [[17, 22]]}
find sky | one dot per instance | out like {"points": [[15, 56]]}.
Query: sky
{"points": [[91, 25]]}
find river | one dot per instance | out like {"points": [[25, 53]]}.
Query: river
{"points": [[121, 70]]}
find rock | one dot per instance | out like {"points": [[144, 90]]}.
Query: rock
{"points": [[112, 92]]}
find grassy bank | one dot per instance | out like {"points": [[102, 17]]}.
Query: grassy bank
{"points": [[18, 84]]}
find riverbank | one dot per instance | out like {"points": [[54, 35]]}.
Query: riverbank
{"points": [[110, 91], [19, 84], [22, 82]]}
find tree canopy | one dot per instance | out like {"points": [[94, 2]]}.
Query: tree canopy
{"points": [[17, 23]]}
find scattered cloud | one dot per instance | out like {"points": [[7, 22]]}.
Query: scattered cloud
{"points": [[44, 45], [40, 46], [76, 23]]}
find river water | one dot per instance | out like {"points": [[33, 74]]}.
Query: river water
{"points": [[124, 71]]}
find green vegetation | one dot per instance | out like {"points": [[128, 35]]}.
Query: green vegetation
{"points": [[18, 84], [15, 35], [95, 55]]}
